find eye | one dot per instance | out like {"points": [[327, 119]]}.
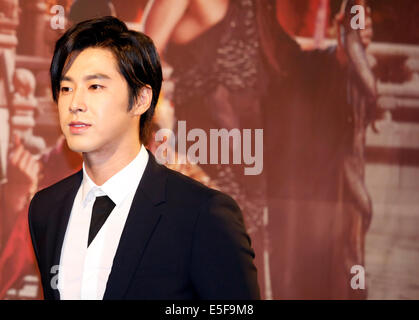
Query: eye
{"points": [[96, 87], [65, 89]]}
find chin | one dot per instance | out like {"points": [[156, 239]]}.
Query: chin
{"points": [[79, 146]]}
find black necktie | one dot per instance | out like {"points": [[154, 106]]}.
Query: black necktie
{"points": [[101, 210]]}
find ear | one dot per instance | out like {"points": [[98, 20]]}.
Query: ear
{"points": [[143, 101]]}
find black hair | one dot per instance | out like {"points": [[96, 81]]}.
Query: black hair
{"points": [[135, 53]]}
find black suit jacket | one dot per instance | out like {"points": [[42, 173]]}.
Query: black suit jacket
{"points": [[181, 240]]}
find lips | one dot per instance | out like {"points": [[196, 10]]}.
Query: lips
{"points": [[77, 127]]}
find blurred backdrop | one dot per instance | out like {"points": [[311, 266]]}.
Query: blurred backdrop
{"points": [[334, 214]]}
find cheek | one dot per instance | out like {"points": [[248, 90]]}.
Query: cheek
{"points": [[112, 113], [110, 123], [62, 115]]}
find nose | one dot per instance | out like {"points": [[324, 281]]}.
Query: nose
{"points": [[77, 103], [74, 108]]}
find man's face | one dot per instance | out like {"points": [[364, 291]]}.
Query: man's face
{"points": [[93, 105]]}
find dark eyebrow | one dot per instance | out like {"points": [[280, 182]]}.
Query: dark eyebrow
{"points": [[65, 78], [88, 77], [97, 76]]}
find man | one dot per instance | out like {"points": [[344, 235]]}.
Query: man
{"points": [[126, 227]]}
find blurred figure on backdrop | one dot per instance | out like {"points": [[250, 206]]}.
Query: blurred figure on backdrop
{"points": [[17, 256], [235, 67], [82, 10]]}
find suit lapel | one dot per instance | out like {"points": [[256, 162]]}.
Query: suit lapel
{"points": [[59, 221], [144, 215]]}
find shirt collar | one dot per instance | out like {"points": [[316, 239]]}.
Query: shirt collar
{"points": [[120, 184]]}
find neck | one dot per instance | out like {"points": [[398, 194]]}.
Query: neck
{"points": [[101, 166]]}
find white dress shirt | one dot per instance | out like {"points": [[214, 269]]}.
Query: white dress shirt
{"points": [[84, 271]]}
